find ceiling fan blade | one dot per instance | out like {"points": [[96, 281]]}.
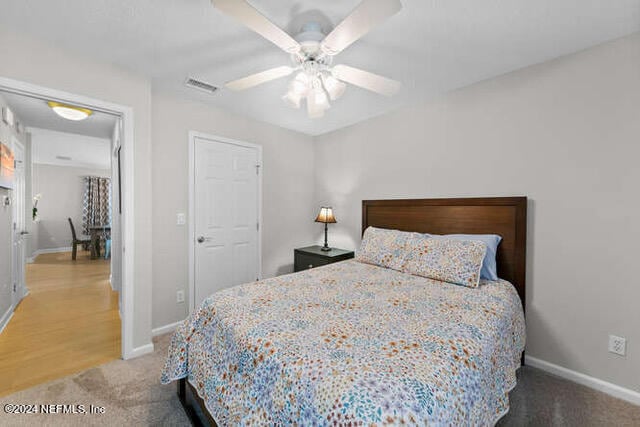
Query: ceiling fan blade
{"points": [[252, 18], [366, 80], [259, 78], [367, 15]]}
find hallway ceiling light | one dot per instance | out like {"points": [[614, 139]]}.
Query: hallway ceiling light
{"points": [[69, 112]]}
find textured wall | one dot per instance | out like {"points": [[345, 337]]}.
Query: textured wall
{"points": [[564, 133], [43, 63], [288, 180], [62, 190]]}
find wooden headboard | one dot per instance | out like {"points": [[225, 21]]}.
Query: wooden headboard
{"points": [[504, 216]]}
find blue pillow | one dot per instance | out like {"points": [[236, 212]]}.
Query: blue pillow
{"points": [[489, 269]]}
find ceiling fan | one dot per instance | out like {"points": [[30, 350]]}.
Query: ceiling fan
{"points": [[312, 54]]}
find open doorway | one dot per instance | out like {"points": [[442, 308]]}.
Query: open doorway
{"points": [[68, 200]]}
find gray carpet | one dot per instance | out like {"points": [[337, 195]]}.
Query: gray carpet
{"points": [[131, 394]]}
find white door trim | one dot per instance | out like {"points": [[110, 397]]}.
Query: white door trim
{"points": [[18, 289], [193, 135], [128, 217]]}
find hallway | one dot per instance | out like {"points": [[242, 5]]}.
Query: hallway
{"points": [[69, 322]]}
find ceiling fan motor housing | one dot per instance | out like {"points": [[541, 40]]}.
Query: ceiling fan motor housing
{"points": [[310, 37]]}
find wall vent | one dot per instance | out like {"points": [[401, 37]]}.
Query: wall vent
{"points": [[200, 85]]}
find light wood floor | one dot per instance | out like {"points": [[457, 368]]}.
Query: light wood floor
{"points": [[69, 322]]}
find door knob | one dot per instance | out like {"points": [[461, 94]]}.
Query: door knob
{"points": [[201, 239]]}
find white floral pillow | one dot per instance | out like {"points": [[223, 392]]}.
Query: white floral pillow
{"points": [[447, 260], [386, 248]]}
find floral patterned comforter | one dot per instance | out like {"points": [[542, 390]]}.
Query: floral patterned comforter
{"points": [[352, 343]]}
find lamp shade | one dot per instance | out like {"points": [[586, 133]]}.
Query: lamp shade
{"points": [[317, 103], [326, 216], [334, 86]]}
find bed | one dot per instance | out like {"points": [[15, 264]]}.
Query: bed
{"points": [[352, 343]]}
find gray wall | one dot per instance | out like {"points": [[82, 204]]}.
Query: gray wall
{"points": [[6, 221], [62, 190], [43, 63], [288, 158], [565, 133], [5, 255], [288, 208]]}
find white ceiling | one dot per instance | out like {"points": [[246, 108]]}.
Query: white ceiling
{"points": [[432, 46], [83, 151], [36, 113]]}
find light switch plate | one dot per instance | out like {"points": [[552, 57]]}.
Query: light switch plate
{"points": [[181, 219]]}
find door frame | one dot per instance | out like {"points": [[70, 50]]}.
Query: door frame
{"points": [[193, 136], [127, 228], [18, 290]]}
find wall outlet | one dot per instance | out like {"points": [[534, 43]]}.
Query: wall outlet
{"points": [[181, 219], [180, 296], [617, 345]]}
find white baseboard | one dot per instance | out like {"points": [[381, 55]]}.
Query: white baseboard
{"points": [[24, 291], [141, 351], [4, 320], [591, 382], [165, 329], [50, 251]]}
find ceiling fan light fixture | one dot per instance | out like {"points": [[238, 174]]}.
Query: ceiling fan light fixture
{"points": [[321, 99], [334, 87], [303, 77], [313, 110], [292, 99], [317, 103], [299, 85], [312, 53]]}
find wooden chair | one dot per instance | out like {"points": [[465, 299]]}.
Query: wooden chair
{"points": [[107, 248], [75, 242]]}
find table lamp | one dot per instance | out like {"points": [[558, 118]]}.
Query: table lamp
{"points": [[326, 217]]}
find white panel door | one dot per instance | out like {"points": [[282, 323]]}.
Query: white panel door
{"points": [[19, 228], [225, 215]]}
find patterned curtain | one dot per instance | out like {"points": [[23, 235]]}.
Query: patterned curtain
{"points": [[96, 206]]}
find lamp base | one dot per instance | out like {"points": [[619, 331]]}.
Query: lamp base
{"points": [[326, 247]]}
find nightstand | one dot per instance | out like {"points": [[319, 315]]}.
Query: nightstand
{"points": [[314, 256]]}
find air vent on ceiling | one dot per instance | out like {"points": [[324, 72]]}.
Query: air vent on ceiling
{"points": [[200, 85], [63, 157]]}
